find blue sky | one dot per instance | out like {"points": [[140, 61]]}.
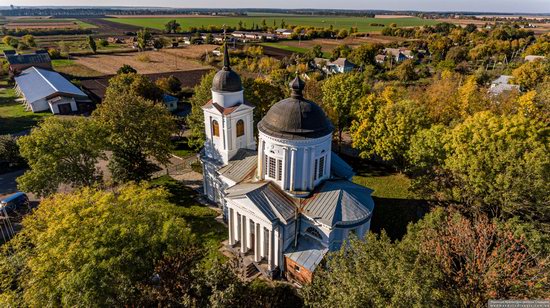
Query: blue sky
{"points": [[526, 6]]}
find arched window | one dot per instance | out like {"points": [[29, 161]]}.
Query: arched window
{"points": [[215, 128], [314, 232], [240, 128]]}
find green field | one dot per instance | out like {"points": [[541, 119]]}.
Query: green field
{"points": [[362, 23]]}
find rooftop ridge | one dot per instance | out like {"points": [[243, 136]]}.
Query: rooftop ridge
{"points": [[45, 79]]}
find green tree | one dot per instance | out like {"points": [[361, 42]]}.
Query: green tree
{"points": [[389, 135], [172, 26], [92, 44], [195, 120], [209, 38], [341, 51], [364, 55], [341, 93], [61, 151], [28, 40], [263, 94], [500, 164], [530, 74], [445, 260], [169, 84], [317, 51], [126, 69], [144, 38], [9, 152], [405, 71], [375, 273], [139, 131], [92, 248], [134, 84]]}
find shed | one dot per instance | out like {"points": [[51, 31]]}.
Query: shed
{"points": [[47, 90], [21, 62]]}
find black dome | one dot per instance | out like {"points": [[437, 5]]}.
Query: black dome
{"points": [[296, 117], [226, 80]]}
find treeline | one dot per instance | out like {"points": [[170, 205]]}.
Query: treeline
{"points": [[22, 32]]}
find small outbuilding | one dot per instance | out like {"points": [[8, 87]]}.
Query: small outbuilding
{"points": [[21, 62], [44, 90]]}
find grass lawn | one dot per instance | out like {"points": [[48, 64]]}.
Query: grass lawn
{"points": [[395, 206], [337, 22], [13, 117], [201, 219], [182, 149]]}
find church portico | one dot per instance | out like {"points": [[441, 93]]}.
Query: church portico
{"points": [[253, 236]]}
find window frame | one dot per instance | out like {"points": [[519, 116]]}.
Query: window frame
{"points": [[240, 129], [215, 128]]}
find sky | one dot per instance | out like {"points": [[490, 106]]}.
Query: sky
{"points": [[504, 6]]}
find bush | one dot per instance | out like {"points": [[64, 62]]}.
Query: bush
{"points": [[54, 53], [143, 58], [103, 43]]}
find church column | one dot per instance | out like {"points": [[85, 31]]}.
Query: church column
{"points": [[243, 234], [257, 246], [311, 169], [292, 168], [276, 246], [285, 169], [251, 226], [231, 228], [261, 159], [270, 252], [304, 169]]}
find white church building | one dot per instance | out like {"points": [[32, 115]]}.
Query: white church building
{"points": [[287, 198]]}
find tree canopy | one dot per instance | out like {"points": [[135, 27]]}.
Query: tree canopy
{"points": [[61, 151], [91, 248], [139, 131]]}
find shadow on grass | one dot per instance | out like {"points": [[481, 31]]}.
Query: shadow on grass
{"points": [[200, 218], [393, 215]]}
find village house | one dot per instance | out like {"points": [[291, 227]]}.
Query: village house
{"points": [[532, 58], [288, 200], [340, 65], [284, 32], [20, 62], [44, 90], [253, 36], [502, 85], [399, 54]]}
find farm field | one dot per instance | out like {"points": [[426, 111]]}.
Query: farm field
{"points": [[330, 44], [42, 24], [362, 23], [148, 62]]}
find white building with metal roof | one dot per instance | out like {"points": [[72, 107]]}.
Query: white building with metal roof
{"points": [[290, 200], [44, 90]]}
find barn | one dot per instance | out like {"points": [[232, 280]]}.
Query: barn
{"points": [[44, 90]]}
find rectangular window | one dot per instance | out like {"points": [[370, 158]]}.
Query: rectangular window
{"points": [[297, 268], [315, 171], [266, 165], [272, 167], [279, 169], [321, 167]]}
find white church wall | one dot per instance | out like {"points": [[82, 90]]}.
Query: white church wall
{"points": [[227, 99], [298, 161]]}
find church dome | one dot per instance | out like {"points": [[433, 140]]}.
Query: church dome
{"points": [[295, 117], [226, 80]]}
